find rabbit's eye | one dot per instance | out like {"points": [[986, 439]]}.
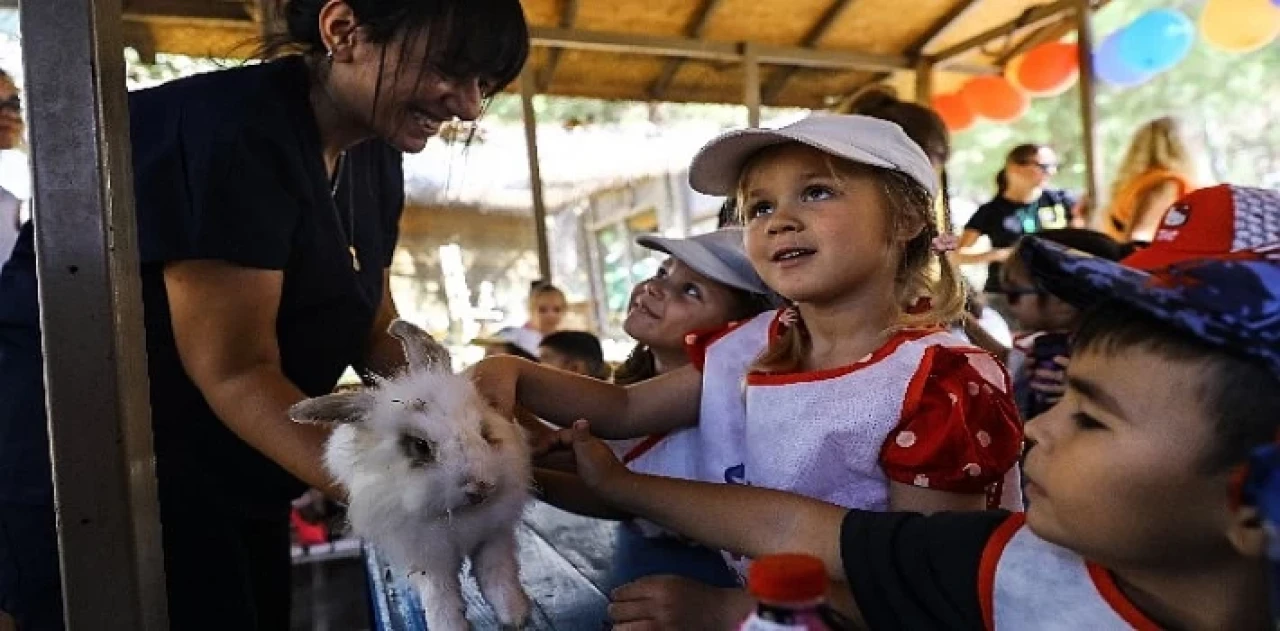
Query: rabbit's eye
{"points": [[486, 432], [421, 452]]}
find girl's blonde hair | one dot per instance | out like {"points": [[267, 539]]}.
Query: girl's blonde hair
{"points": [[1158, 144], [928, 287]]}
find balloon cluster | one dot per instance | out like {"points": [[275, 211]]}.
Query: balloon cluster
{"points": [[1153, 43], [1046, 70]]}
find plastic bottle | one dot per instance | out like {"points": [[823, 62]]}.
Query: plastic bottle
{"points": [[791, 590]]}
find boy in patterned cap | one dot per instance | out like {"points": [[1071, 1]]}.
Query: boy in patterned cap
{"points": [[1153, 487]]}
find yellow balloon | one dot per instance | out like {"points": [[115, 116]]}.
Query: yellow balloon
{"points": [[1239, 26], [1011, 71]]}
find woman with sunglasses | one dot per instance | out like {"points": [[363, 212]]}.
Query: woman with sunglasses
{"points": [[11, 127], [1023, 205]]}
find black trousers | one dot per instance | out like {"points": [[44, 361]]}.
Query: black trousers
{"points": [[225, 569]]}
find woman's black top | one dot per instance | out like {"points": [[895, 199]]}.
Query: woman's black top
{"points": [[228, 166]]}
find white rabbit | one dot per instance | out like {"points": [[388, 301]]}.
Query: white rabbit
{"points": [[434, 476]]}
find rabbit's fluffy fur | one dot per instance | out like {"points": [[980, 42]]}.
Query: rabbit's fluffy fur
{"points": [[434, 476]]}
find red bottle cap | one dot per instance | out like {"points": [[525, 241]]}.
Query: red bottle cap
{"points": [[787, 578]]}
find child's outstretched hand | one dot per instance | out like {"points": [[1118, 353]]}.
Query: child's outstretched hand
{"points": [[598, 466], [1052, 382]]}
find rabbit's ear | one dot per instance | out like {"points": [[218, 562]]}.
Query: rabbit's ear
{"points": [[422, 350], [343, 407]]}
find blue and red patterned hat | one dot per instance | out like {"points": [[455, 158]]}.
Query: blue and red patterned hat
{"points": [[1213, 271]]}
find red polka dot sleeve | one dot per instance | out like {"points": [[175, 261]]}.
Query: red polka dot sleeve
{"points": [[960, 430]]}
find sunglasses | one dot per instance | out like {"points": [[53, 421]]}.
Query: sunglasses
{"points": [[1015, 295], [1049, 168], [13, 103]]}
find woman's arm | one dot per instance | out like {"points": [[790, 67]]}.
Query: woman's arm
{"points": [[1150, 210], [224, 323], [384, 354], [661, 404], [967, 255]]}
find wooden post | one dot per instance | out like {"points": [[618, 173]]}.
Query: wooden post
{"points": [[528, 87], [95, 363], [924, 81], [751, 84], [1088, 107]]}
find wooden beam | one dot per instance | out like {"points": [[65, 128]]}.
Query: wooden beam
{"points": [[1050, 32], [628, 43], [528, 87], [1088, 107], [751, 84], [943, 25], [931, 35], [819, 30], [1030, 18], [697, 28], [189, 9], [91, 318], [924, 82], [568, 17]]}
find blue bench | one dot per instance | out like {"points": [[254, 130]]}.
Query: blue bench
{"points": [[563, 563]]}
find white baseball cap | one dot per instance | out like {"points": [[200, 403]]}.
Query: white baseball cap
{"points": [[717, 255], [862, 139]]}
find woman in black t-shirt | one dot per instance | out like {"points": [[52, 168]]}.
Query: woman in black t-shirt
{"points": [[268, 200], [1023, 205]]}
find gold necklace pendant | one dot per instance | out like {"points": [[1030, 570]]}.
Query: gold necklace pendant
{"points": [[355, 259]]}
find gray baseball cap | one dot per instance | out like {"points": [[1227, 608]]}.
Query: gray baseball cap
{"points": [[862, 139], [717, 255]]}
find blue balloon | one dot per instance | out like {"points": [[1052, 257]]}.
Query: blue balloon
{"points": [[1157, 40], [1111, 67]]}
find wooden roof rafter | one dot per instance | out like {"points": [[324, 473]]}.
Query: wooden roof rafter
{"points": [[1033, 17], [779, 80], [697, 28], [568, 18], [935, 32]]}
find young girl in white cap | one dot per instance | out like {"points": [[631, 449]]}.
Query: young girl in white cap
{"points": [[854, 394]]}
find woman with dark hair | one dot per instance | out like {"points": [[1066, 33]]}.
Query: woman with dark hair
{"points": [[1023, 205], [268, 199]]}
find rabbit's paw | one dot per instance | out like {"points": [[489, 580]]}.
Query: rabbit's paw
{"points": [[496, 569], [513, 610]]}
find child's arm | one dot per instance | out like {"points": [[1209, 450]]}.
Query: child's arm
{"points": [[741, 519], [907, 498], [661, 404], [904, 571], [568, 492]]}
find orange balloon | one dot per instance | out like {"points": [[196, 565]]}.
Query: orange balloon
{"points": [[1011, 70], [1049, 69], [995, 99], [954, 112]]}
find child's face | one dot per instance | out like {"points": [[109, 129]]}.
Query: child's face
{"points": [[546, 311], [1116, 470], [1034, 310], [556, 359], [814, 237], [674, 303]]}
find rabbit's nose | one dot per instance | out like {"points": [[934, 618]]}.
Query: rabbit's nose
{"points": [[477, 491]]}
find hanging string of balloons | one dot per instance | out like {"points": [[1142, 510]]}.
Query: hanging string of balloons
{"points": [[1153, 43]]}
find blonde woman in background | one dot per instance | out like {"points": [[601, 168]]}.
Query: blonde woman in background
{"points": [[1157, 170]]}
